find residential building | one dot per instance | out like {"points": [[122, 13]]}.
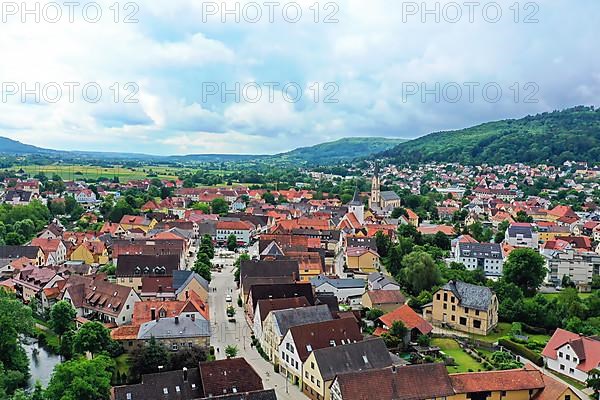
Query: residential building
{"points": [[229, 376], [132, 268], [241, 229], [379, 281], [414, 323], [55, 252], [323, 365], [255, 271], [347, 291], [264, 307], [301, 340], [30, 281], [487, 257], [384, 300], [362, 260], [522, 235], [171, 385], [579, 266], [464, 307], [176, 333], [572, 354], [96, 298], [277, 291], [277, 323], [411, 382]]}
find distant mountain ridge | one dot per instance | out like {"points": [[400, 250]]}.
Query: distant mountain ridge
{"points": [[345, 149], [551, 137]]}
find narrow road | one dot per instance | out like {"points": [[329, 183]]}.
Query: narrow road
{"points": [[226, 333]]}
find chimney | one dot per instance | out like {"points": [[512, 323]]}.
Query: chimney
{"points": [[185, 374], [176, 320]]}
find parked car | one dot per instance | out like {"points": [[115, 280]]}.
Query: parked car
{"points": [[228, 299]]}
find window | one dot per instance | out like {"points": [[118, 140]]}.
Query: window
{"points": [[560, 354], [437, 296], [567, 397], [453, 308], [453, 317], [463, 321], [562, 367], [445, 306], [306, 374], [312, 379], [318, 383], [568, 357], [503, 393], [174, 347], [445, 296], [476, 312], [477, 324], [312, 365], [571, 371]]}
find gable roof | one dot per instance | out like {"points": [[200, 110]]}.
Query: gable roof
{"points": [[228, 376], [153, 386], [408, 317], [520, 379], [300, 316], [338, 283], [471, 296], [174, 327], [586, 348], [319, 335], [140, 265], [268, 305], [354, 357], [411, 382], [386, 296], [280, 291]]}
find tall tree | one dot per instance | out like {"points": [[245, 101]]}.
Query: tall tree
{"points": [[92, 337], [207, 247], [231, 242], [525, 268], [81, 379], [419, 272], [219, 206], [16, 320], [150, 358], [62, 317]]}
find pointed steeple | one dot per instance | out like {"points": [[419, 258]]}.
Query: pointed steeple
{"points": [[356, 198]]}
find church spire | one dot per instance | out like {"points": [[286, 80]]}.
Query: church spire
{"points": [[356, 197]]}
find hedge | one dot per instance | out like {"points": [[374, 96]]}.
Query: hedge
{"points": [[522, 351]]}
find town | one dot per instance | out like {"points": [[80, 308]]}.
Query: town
{"points": [[370, 280]]}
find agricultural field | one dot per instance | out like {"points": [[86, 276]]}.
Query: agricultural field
{"points": [[74, 172]]}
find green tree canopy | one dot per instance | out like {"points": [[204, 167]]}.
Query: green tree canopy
{"points": [[81, 379], [92, 337], [526, 269]]}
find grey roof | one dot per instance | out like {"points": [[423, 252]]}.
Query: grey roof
{"points": [[169, 328], [359, 356], [301, 316], [356, 198], [471, 296], [272, 249], [369, 243], [338, 283], [14, 252], [480, 250], [153, 387], [192, 276], [514, 230], [389, 196], [179, 277], [377, 280]]}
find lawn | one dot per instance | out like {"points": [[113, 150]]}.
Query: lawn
{"points": [[463, 360], [551, 296], [503, 330]]}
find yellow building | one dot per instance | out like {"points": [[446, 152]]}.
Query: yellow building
{"points": [[129, 222], [431, 381], [93, 252], [464, 307], [323, 365], [553, 233], [362, 259]]}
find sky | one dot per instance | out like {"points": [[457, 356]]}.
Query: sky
{"points": [[262, 77]]}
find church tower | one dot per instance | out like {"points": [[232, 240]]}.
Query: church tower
{"points": [[375, 199]]}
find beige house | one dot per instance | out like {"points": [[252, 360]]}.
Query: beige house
{"points": [[464, 307], [362, 260]]}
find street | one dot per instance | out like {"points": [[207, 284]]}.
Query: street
{"points": [[226, 333]]}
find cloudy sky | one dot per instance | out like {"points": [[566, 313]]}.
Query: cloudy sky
{"points": [[183, 76]]}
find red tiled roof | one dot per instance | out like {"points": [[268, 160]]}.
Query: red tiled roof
{"points": [[386, 296], [234, 225], [408, 317], [490, 381], [586, 348]]}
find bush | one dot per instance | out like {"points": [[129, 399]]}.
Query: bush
{"points": [[522, 351]]}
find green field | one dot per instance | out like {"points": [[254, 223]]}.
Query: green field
{"points": [[463, 360], [74, 172], [551, 296]]}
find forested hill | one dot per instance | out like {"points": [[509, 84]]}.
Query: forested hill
{"points": [[553, 137]]}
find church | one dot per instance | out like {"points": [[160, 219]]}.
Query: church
{"points": [[383, 202]]}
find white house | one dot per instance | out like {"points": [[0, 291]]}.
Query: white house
{"points": [[522, 235], [85, 196], [571, 354], [378, 281], [577, 265], [346, 290], [487, 257], [241, 230]]}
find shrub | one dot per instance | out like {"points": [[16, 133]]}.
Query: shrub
{"points": [[522, 351]]}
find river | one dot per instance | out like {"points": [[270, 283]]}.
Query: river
{"points": [[41, 362]]}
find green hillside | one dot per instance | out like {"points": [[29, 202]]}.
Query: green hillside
{"points": [[341, 150], [572, 134]]}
